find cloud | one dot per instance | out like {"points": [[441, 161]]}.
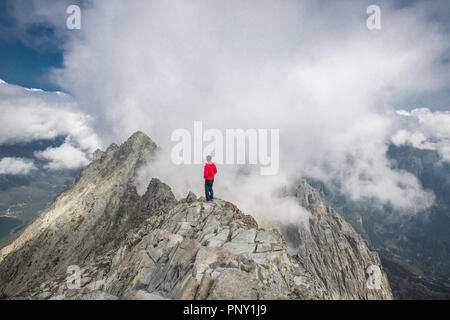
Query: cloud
{"points": [[15, 166], [254, 194], [314, 71], [66, 156], [39, 24], [31, 114], [424, 129]]}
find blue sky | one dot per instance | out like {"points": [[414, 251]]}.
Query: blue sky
{"points": [[28, 51], [28, 67]]}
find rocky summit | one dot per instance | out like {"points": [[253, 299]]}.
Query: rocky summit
{"points": [[102, 240]]}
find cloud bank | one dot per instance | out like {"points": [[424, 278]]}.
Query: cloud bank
{"points": [[424, 129], [15, 166], [66, 156], [32, 114], [309, 68]]}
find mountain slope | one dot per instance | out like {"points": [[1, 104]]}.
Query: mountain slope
{"points": [[85, 219], [157, 247], [413, 245], [22, 196], [332, 251]]}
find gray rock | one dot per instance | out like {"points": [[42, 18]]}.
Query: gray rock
{"points": [[44, 295], [331, 251], [189, 289], [148, 245], [233, 284], [98, 154], [219, 239], [97, 295], [240, 247], [208, 258], [144, 295], [191, 197], [84, 281], [204, 287]]}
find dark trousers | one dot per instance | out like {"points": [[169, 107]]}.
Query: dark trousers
{"points": [[209, 194]]}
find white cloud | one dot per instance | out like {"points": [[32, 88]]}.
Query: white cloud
{"points": [[30, 114], [424, 129], [16, 166], [313, 71], [66, 156], [29, 14]]}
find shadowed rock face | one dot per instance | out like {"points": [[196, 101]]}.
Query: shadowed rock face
{"points": [[156, 247], [331, 250]]}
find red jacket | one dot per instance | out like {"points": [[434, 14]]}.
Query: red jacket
{"points": [[210, 171]]}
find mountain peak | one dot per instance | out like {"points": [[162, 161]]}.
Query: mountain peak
{"points": [[122, 160], [157, 246], [139, 138]]}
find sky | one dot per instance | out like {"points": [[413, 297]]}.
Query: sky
{"points": [[338, 92], [22, 60]]}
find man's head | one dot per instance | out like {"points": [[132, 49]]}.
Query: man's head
{"points": [[208, 158]]}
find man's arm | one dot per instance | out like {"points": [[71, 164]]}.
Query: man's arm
{"points": [[215, 169], [204, 173]]}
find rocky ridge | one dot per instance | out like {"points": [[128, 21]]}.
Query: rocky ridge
{"points": [[332, 251], [124, 246]]}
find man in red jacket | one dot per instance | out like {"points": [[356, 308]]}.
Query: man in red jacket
{"points": [[210, 171]]}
